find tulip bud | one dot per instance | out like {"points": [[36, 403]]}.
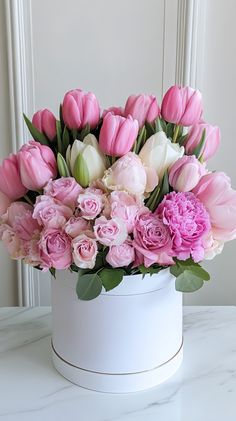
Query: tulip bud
{"points": [[160, 153], [45, 122], [62, 166], [10, 181], [117, 135], [142, 108], [80, 108], [185, 173], [182, 106], [211, 143], [37, 165], [81, 173], [114, 111]]}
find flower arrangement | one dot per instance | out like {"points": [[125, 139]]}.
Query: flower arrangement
{"points": [[122, 193]]}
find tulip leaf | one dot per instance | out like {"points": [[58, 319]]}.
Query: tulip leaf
{"points": [[140, 140], [61, 117], [164, 188], [150, 129], [37, 135], [80, 171], [84, 132], [170, 130], [159, 125], [198, 150], [182, 139], [152, 200], [62, 166], [89, 286], [65, 139], [111, 278], [59, 133]]}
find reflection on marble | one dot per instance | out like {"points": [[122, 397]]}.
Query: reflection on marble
{"points": [[204, 389]]}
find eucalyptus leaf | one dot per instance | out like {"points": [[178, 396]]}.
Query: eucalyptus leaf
{"points": [[37, 135], [111, 277], [89, 286], [188, 282], [150, 270]]}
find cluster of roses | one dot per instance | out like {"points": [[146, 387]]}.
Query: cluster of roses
{"points": [[107, 195]]}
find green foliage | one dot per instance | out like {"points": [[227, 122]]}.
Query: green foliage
{"points": [[37, 135], [59, 135], [84, 132], [62, 166], [80, 172], [190, 276], [111, 277], [53, 272], [89, 286], [150, 270]]}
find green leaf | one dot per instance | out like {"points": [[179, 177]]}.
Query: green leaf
{"points": [[84, 132], [150, 129], [53, 272], [111, 277], [37, 135], [59, 134], [65, 139], [152, 200], [176, 270], [89, 286], [140, 140], [158, 125], [198, 150], [165, 187], [188, 282], [62, 166], [150, 270], [61, 117], [182, 139], [80, 171], [170, 130]]}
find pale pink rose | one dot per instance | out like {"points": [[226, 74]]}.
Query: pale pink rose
{"points": [[51, 213], [119, 256], [127, 173], [90, 203], [125, 207], [152, 239], [4, 203], [13, 244], [64, 189], [110, 232], [84, 250], [55, 249], [20, 218], [75, 226], [215, 192]]}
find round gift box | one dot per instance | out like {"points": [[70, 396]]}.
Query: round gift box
{"points": [[125, 340]]}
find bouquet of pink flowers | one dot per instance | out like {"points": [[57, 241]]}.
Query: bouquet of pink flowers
{"points": [[116, 194]]}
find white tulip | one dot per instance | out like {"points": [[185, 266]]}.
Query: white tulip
{"points": [[160, 153]]}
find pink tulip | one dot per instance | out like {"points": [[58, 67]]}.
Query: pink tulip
{"points": [[114, 111], [80, 108], [4, 203], [117, 134], [212, 140], [37, 165], [185, 173], [10, 180], [215, 192], [182, 106], [142, 108], [45, 122]]}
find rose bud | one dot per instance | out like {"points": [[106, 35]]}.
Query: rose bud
{"points": [[45, 122], [142, 108], [80, 108]]}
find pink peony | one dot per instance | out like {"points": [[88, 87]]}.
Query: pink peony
{"points": [[122, 255], [90, 203], [55, 249], [76, 226], [50, 212], [152, 240], [188, 221], [110, 232], [125, 207], [84, 251], [65, 189]]}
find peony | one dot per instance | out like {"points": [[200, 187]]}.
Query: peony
{"points": [[152, 240], [188, 221], [124, 206], [65, 189], [90, 203], [20, 218], [110, 232], [122, 255], [84, 249], [75, 226], [55, 249], [160, 153], [50, 212]]}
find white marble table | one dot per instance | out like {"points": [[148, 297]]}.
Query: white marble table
{"points": [[204, 389]]}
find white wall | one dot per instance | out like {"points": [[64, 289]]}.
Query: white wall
{"points": [[8, 280]]}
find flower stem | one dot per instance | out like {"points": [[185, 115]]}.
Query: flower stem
{"points": [[28, 200], [176, 132]]}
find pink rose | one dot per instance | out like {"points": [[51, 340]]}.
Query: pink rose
{"points": [[37, 165], [84, 251], [122, 255], [128, 173], [55, 249], [125, 207], [20, 218], [4, 203], [75, 226], [185, 173], [188, 222], [110, 232], [10, 180], [152, 240], [65, 189], [50, 212], [215, 192], [90, 203]]}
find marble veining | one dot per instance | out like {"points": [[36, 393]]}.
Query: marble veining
{"points": [[204, 389]]}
